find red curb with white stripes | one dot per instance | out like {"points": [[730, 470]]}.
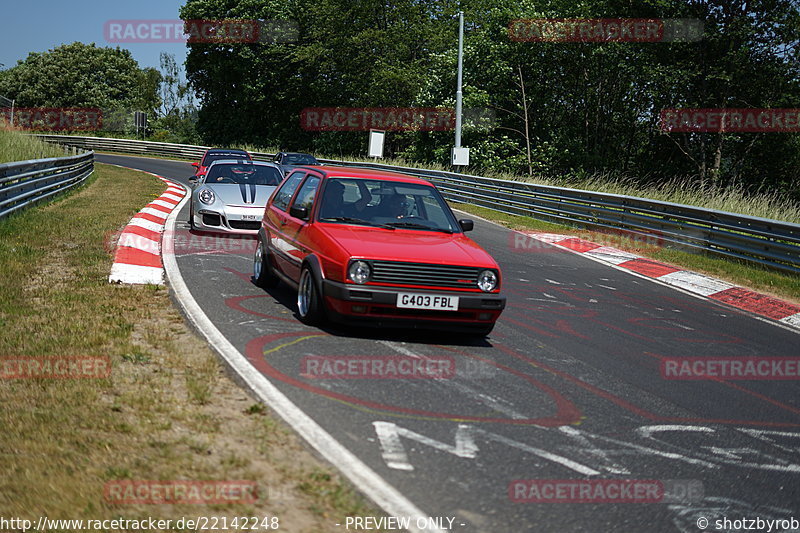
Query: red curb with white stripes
{"points": [[715, 289], [138, 256]]}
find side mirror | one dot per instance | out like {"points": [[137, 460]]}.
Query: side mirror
{"points": [[196, 165], [466, 224], [299, 211]]}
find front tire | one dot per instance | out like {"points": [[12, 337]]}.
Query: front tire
{"points": [[310, 307], [262, 271]]}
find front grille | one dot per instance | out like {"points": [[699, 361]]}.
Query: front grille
{"points": [[423, 274], [241, 224]]}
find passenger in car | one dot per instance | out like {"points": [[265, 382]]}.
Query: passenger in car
{"points": [[333, 204]]}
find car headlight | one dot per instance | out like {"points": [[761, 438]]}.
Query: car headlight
{"points": [[206, 196], [359, 272], [487, 280]]}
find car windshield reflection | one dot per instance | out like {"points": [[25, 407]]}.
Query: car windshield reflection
{"points": [[388, 204]]}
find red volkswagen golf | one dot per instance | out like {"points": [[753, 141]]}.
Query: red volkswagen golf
{"points": [[361, 245]]}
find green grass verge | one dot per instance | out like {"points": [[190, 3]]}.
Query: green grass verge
{"points": [[166, 412], [15, 146]]}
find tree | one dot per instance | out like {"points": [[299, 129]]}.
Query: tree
{"points": [[80, 75]]}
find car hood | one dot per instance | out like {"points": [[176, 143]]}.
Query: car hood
{"points": [[409, 245], [236, 194]]}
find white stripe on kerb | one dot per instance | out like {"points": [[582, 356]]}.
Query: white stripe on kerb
{"points": [[792, 320], [548, 237], [140, 242], [162, 203], [694, 282], [611, 255], [154, 212], [146, 224], [136, 274]]}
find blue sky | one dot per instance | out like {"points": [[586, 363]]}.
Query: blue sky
{"points": [[39, 25]]}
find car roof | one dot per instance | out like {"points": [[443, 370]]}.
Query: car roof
{"points": [[225, 151], [242, 162], [367, 173]]}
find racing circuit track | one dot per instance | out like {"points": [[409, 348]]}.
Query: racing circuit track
{"points": [[567, 387]]}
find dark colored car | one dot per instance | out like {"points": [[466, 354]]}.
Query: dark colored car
{"points": [[365, 246], [289, 160], [216, 154]]}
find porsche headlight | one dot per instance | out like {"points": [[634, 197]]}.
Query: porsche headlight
{"points": [[359, 272], [487, 280], [206, 196]]}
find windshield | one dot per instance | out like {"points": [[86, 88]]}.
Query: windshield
{"points": [[386, 203], [300, 159], [244, 174], [210, 158]]}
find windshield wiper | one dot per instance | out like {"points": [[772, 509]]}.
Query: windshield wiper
{"points": [[414, 225], [357, 221]]}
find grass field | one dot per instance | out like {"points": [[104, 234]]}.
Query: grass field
{"points": [[15, 146], [167, 411]]}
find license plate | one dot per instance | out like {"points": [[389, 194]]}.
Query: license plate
{"points": [[410, 300], [250, 217]]}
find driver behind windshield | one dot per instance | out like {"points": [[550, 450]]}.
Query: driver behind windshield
{"points": [[244, 175]]}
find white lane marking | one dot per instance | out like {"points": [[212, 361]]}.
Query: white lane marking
{"points": [[552, 281], [394, 452], [388, 498], [611, 467], [607, 287]]}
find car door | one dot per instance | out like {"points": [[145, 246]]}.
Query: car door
{"points": [[295, 227], [276, 217]]}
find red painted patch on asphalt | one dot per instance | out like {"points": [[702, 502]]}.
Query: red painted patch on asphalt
{"points": [[757, 303], [566, 411], [579, 245], [652, 269]]}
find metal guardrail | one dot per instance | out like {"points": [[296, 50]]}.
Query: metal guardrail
{"points": [[23, 183], [771, 243]]}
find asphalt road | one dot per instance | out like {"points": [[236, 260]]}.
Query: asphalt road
{"points": [[568, 387]]}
